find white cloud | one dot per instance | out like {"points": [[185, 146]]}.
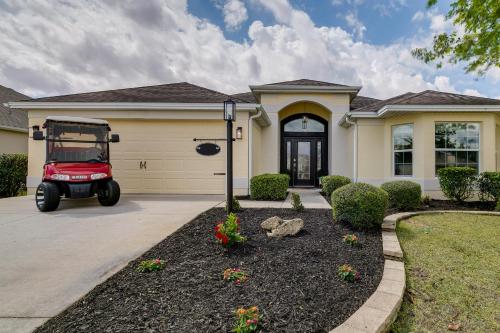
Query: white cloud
{"points": [[76, 46], [439, 23], [442, 83], [235, 13], [473, 92], [353, 22], [419, 16]]}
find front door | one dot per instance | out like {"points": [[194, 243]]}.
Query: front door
{"points": [[304, 160]]}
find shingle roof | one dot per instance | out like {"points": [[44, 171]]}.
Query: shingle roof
{"points": [[181, 92], [11, 117], [247, 96], [429, 97], [306, 82], [362, 101]]}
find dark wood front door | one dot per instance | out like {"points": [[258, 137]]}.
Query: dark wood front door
{"points": [[304, 158]]}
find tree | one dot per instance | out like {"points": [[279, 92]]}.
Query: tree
{"points": [[479, 44]]}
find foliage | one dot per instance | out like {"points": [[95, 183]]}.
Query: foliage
{"points": [[497, 207], [151, 265], [403, 194], [331, 183], [248, 320], [296, 202], [228, 232], [359, 204], [457, 183], [235, 275], [347, 273], [352, 240], [426, 200], [451, 264], [478, 45], [269, 186], [236, 205], [13, 172], [489, 186]]}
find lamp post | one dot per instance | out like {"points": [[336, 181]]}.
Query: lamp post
{"points": [[229, 117]]}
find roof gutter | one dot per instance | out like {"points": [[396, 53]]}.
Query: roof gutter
{"points": [[13, 129], [355, 155]]}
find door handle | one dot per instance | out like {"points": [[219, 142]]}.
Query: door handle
{"points": [[140, 165], [145, 165]]}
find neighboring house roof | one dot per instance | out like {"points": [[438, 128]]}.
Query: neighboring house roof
{"points": [[306, 82], [362, 101], [429, 97], [11, 118], [247, 96], [182, 92]]}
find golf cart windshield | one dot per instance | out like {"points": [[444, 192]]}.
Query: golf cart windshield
{"points": [[75, 142]]}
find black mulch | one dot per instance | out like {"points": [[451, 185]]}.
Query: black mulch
{"points": [[293, 280]]}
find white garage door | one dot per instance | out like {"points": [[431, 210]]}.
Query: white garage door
{"points": [[167, 153]]}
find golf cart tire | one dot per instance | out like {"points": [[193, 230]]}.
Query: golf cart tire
{"points": [[110, 194], [47, 197]]}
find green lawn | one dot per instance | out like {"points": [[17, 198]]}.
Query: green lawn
{"points": [[452, 264]]}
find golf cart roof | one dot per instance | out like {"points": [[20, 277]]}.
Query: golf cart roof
{"points": [[80, 120]]}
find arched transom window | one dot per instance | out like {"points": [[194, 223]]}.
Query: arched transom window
{"points": [[304, 124]]}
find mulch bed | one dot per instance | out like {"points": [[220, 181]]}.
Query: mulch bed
{"points": [[292, 280]]}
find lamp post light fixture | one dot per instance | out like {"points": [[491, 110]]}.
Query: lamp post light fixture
{"points": [[239, 133], [229, 117]]}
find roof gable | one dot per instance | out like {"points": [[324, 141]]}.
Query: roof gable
{"points": [[306, 82], [10, 117]]}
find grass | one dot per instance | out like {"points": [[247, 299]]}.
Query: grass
{"points": [[452, 264]]}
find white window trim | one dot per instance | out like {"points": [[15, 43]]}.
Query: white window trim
{"points": [[393, 164], [459, 149]]}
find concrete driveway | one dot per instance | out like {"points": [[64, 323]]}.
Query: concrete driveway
{"points": [[50, 260]]}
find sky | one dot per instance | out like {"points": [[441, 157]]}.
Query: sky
{"points": [[53, 47]]}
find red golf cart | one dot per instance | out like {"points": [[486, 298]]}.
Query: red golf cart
{"points": [[77, 162]]}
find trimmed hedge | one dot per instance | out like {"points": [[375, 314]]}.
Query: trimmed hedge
{"points": [[457, 183], [13, 172], [269, 186], [403, 194], [489, 186], [361, 205], [331, 183]]}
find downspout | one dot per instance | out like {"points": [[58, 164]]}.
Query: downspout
{"points": [[250, 147], [355, 164]]}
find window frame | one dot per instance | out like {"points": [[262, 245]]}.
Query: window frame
{"points": [[478, 150], [394, 151]]}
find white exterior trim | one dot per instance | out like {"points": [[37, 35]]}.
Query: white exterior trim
{"points": [[128, 106], [78, 120], [14, 129]]}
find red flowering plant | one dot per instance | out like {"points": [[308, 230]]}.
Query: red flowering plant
{"points": [[228, 232], [151, 265], [247, 320], [235, 275], [347, 273], [351, 239]]}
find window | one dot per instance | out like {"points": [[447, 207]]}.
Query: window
{"points": [[457, 144], [402, 143], [304, 124]]}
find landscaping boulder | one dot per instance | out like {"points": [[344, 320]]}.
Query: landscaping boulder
{"points": [[277, 227]]}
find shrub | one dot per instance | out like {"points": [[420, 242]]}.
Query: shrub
{"points": [[331, 183], [359, 204], [235, 275], [457, 182], [426, 200], [247, 320], [228, 232], [13, 172], [296, 202], [403, 194], [489, 186], [497, 207], [236, 205], [151, 265], [347, 273], [269, 186]]}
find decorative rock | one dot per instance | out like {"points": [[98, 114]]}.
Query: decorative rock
{"points": [[271, 223], [287, 228]]}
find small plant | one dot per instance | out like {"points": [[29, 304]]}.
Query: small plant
{"points": [[351, 239], [228, 232], [236, 205], [269, 186], [235, 275], [347, 273], [248, 320], [426, 200], [151, 265], [296, 202], [404, 195], [457, 183]]}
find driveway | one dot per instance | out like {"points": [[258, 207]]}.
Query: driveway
{"points": [[50, 260]]}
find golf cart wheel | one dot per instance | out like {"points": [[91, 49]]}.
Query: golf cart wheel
{"points": [[47, 197], [109, 194]]}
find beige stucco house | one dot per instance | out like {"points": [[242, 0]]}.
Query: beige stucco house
{"points": [[13, 124], [305, 128]]}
